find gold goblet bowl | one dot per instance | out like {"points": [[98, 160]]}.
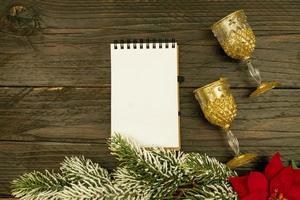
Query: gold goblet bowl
{"points": [[219, 108], [238, 41]]}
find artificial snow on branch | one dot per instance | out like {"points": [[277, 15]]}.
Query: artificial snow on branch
{"points": [[142, 174]]}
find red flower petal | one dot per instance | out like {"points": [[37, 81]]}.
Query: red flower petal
{"points": [[283, 181], [256, 196], [274, 166], [257, 182], [240, 185], [297, 176], [294, 193]]}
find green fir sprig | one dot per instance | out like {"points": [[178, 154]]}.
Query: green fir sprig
{"points": [[143, 174]]}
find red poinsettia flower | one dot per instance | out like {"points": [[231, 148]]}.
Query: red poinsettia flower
{"points": [[277, 183]]}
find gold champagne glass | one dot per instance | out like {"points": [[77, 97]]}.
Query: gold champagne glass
{"points": [[238, 41], [219, 108]]}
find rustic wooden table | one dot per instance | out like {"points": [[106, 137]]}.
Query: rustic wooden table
{"points": [[55, 85]]}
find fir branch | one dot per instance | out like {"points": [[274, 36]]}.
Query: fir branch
{"points": [[142, 175], [209, 178], [88, 180], [160, 169], [206, 169], [79, 168], [132, 185], [84, 190], [215, 191], [37, 185]]}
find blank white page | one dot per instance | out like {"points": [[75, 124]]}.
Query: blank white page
{"points": [[144, 94]]}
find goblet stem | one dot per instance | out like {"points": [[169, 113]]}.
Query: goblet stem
{"points": [[233, 142], [254, 72]]}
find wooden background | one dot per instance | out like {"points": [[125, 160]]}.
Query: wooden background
{"points": [[55, 85]]}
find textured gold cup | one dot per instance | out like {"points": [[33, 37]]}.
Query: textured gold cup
{"points": [[217, 103], [238, 41], [219, 108], [235, 35]]}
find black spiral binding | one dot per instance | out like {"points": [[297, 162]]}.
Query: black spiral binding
{"points": [[154, 44]]}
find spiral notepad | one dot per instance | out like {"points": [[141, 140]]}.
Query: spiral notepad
{"points": [[144, 92]]}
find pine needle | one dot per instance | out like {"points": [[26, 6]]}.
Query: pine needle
{"points": [[155, 174]]}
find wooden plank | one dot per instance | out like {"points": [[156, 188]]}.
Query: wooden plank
{"points": [[126, 14], [20, 157], [83, 115], [54, 114], [72, 48], [41, 125]]}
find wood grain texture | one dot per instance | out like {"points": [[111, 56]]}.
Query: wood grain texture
{"points": [[39, 126], [26, 157], [83, 115], [72, 48], [55, 85]]}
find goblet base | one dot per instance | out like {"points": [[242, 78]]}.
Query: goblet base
{"points": [[240, 160], [264, 87]]}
